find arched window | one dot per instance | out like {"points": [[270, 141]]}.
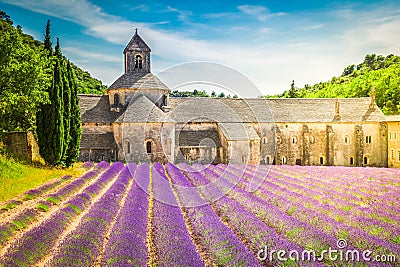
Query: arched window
{"points": [[365, 160], [346, 139], [138, 62], [267, 160], [294, 139], [398, 155], [149, 147], [128, 147], [243, 159], [351, 161], [283, 160], [321, 160], [264, 140], [116, 99]]}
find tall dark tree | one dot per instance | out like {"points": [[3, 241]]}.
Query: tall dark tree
{"points": [[75, 119], [50, 118], [66, 99], [292, 91], [47, 39], [49, 121]]}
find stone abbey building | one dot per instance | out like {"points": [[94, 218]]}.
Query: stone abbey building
{"points": [[137, 121]]}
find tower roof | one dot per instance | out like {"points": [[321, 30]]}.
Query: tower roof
{"points": [[139, 80], [137, 43]]}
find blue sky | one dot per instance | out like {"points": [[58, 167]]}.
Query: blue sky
{"points": [[271, 42]]}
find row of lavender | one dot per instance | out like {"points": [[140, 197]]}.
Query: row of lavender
{"points": [[27, 216], [37, 242], [155, 219], [83, 245], [364, 220], [39, 191], [290, 213]]}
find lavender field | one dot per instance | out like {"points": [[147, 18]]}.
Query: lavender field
{"points": [[156, 215]]}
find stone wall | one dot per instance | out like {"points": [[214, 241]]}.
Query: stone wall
{"points": [[339, 144], [23, 144], [393, 128]]}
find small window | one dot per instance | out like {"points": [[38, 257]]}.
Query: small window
{"points": [[392, 154], [116, 99], [312, 140], [283, 160], [243, 159], [128, 147], [321, 160], [351, 161], [294, 139], [138, 62], [346, 139], [398, 155], [390, 136], [264, 140], [148, 147], [368, 139], [365, 160], [268, 159]]}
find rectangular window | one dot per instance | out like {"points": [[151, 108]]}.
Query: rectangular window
{"points": [[392, 154], [368, 139], [390, 136], [398, 155]]}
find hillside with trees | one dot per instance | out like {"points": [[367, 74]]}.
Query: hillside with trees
{"points": [[39, 92], [24, 75], [377, 71]]}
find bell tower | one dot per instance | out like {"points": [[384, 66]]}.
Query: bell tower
{"points": [[137, 55]]}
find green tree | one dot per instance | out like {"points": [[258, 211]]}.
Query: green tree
{"points": [[75, 119], [47, 39], [292, 91], [66, 98], [22, 79], [50, 124]]}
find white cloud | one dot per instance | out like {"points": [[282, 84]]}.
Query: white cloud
{"points": [[260, 12], [271, 63]]}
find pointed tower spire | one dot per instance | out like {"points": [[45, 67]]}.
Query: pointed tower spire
{"points": [[137, 55]]}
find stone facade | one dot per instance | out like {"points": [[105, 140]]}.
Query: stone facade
{"points": [[393, 125], [137, 121]]}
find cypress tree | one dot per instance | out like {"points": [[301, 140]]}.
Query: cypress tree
{"points": [[49, 120], [75, 119], [47, 39], [66, 100], [50, 128]]}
